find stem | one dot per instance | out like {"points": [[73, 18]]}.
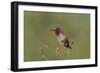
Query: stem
{"points": [[43, 55]]}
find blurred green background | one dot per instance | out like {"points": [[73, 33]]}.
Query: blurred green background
{"points": [[37, 27]]}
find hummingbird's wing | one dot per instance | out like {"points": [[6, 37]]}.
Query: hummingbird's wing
{"points": [[67, 43]]}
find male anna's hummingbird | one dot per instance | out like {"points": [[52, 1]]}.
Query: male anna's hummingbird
{"points": [[62, 39]]}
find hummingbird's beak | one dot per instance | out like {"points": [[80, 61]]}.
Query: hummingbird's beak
{"points": [[52, 30]]}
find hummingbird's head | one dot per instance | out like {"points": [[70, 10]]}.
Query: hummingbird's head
{"points": [[57, 29]]}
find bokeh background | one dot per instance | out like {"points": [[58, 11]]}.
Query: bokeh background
{"points": [[37, 26]]}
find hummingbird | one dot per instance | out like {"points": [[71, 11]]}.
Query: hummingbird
{"points": [[63, 40]]}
